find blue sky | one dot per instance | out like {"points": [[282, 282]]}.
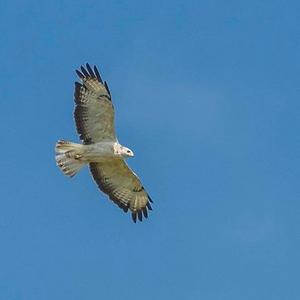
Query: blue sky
{"points": [[207, 95]]}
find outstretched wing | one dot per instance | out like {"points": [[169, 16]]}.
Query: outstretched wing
{"points": [[122, 185], [94, 112]]}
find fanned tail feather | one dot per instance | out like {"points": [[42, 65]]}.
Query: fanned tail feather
{"points": [[68, 157]]}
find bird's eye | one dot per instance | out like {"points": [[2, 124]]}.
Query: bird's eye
{"points": [[128, 151]]}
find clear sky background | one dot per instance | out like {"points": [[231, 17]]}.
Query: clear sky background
{"points": [[207, 95]]}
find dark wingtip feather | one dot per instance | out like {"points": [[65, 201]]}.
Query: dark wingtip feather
{"points": [[85, 72], [90, 70], [149, 206], [98, 74], [150, 198], [145, 212], [140, 215], [133, 215], [80, 75], [107, 88]]}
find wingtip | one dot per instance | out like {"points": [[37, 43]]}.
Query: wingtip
{"points": [[98, 74], [140, 215], [85, 72], [133, 216], [150, 198], [80, 75], [149, 206], [90, 70], [145, 212]]}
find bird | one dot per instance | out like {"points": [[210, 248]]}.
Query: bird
{"points": [[99, 148]]}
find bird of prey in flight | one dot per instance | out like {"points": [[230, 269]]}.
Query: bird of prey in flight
{"points": [[100, 149]]}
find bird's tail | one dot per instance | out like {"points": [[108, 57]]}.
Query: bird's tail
{"points": [[68, 157]]}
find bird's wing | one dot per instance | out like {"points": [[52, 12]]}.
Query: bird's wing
{"points": [[123, 187], [94, 111]]}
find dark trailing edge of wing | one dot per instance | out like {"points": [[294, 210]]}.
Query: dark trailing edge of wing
{"points": [[79, 111], [77, 92], [149, 206]]}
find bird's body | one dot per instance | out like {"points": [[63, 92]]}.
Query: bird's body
{"points": [[94, 116], [97, 152]]}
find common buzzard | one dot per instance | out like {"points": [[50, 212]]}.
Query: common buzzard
{"points": [[100, 149]]}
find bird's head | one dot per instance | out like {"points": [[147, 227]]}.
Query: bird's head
{"points": [[123, 151], [126, 152]]}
